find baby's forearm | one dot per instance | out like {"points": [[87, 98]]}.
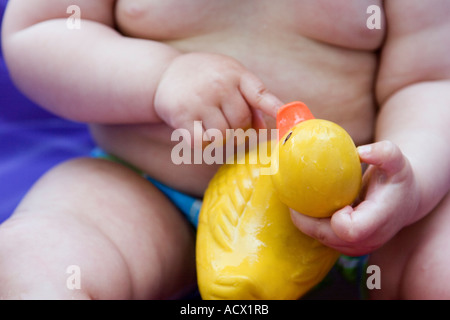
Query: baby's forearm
{"points": [[92, 74], [416, 118]]}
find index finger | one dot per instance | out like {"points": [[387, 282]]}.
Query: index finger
{"points": [[258, 96]]}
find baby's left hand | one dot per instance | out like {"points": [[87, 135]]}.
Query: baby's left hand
{"points": [[388, 199]]}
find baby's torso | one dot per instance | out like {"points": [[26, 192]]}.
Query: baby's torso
{"points": [[317, 51]]}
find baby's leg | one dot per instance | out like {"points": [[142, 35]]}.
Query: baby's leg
{"points": [[94, 229], [416, 263]]}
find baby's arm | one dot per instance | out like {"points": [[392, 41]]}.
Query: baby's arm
{"points": [[91, 74], [410, 168], [95, 74], [414, 92]]}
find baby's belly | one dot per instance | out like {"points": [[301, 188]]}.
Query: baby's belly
{"points": [[336, 83], [334, 78]]}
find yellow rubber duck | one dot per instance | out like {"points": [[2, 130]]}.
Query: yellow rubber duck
{"points": [[247, 246]]}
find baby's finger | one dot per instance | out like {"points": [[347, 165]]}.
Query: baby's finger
{"points": [[356, 225], [258, 121], [191, 132], [324, 230], [257, 95], [384, 154], [237, 112], [317, 228], [215, 125]]}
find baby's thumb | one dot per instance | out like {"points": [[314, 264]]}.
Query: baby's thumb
{"points": [[384, 154]]}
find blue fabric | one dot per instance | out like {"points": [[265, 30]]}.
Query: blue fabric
{"points": [[31, 140], [188, 205]]}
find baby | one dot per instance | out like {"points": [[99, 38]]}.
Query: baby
{"points": [[136, 70]]}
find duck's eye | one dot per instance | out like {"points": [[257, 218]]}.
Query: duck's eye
{"points": [[287, 137]]}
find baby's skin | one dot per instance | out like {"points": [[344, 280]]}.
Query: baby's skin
{"points": [[137, 70]]}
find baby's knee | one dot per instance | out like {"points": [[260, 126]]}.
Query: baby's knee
{"points": [[26, 272], [93, 213], [45, 258]]}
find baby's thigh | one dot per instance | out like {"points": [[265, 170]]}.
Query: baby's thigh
{"points": [[415, 264], [95, 217]]}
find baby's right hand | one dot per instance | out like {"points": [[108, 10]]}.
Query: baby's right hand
{"points": [[214, 89]]}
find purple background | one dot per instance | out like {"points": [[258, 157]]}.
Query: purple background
{"points": [[31, 140]]}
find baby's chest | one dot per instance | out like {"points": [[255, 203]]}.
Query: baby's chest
{"points": [[357, 24]]}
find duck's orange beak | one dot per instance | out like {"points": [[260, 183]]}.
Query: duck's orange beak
{"points": [[291, 114]]}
